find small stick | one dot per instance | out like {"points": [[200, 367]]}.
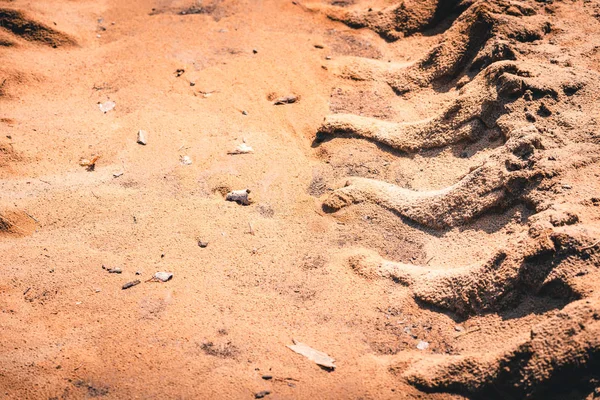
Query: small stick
{"points": [[26, 291], [590, 246], [131, 284], [32, 217], [286, 379], [254, 251], [467, 332], [251, 230]]}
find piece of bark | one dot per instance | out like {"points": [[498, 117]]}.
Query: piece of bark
{"points": [[317, 356]]}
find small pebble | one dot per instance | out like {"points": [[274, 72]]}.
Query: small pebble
{"points": [[459, 328], [423, 345], [262, 394], [163, 276], [244, 112], [114, 270], [267, 377], [202, 244], [142, 137], [286, 100], [254, 51], [106, 106]]}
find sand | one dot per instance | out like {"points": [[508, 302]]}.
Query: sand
{"points": [[436, 180]]}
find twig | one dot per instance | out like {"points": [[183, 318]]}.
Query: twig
{"points": [[32, 217], [590, 246], [286, 379], [468, 332], [255, 250]]}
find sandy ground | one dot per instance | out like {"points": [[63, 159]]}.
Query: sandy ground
{"points": [[273, 271]]}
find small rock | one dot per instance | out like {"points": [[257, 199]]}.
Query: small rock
{"points": [[254, 51], [286, 100], [107, 106], [192, 83], [89, 163], [318, 46], [244, 112], [239, 196], [163, 276], [131, 284], [459, 328], [142, 137], [117, 174], [185, 160], [114, 270], [242, 148], [423, 345], [138, 272], [565, 186], [328, 58], [202, 244], [267, 377], [262, 394]]}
